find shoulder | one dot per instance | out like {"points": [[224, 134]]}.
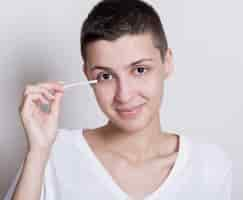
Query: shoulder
{"points": [[210, 159], [212, 155]]}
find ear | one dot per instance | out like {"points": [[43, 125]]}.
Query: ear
{"points": [[85, 71], [168, 64]]}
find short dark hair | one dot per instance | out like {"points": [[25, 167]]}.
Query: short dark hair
{"points": [[111, 19]]}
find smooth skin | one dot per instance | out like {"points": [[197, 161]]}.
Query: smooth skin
{"points": [[130, 146], [41, 130]]}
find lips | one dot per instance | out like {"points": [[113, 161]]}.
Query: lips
{"points": [[131, 109], [131, 112]]}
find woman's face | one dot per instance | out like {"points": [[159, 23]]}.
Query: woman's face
{"points": [[130, 76]]}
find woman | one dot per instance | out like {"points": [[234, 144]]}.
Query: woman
{"points": [[124, 47]]}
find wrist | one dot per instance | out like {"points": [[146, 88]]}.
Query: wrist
{"points": [[40, 155]]}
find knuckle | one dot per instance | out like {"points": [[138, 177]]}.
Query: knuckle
{"points": [[27, 89]]}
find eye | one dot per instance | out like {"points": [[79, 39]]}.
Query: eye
{"points": [[140, 70], [104, 76]]}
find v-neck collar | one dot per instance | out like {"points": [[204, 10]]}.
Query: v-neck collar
{"points": [[107, 180]]}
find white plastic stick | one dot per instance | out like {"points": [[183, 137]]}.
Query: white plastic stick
{"points": [[79, 83]]}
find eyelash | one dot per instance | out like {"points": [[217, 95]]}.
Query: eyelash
{"points": [[100, 74]]}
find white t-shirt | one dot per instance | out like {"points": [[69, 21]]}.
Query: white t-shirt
{"points": [[73, 172]]}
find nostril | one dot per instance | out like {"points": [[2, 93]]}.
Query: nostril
{"points": [[123, 96]]}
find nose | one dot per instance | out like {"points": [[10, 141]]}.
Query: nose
{"points": [[123, 90]]}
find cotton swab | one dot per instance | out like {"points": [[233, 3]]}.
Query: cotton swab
{"points": [[79, 83], [46, 108]]}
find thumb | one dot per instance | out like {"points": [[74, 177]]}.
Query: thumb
{"points": [[55, 107]]}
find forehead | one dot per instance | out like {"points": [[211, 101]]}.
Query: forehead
{"points": [[122, 51]]}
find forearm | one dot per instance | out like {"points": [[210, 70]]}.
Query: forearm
{"points": [[31, 179]]}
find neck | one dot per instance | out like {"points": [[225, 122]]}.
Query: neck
{"points": [[134, 146]]}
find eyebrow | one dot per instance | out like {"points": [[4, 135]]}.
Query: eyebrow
{"points": [[95, 67]]}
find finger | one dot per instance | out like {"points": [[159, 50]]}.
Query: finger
{"points": [[55, 106], [52, 86], [55, 86], [32, 102], [28, 89], [47, 93], [35, 98], [38, 89], [48, 89]]}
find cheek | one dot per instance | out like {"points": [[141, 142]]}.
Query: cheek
{"points": [[104, 93], [154, 85]]}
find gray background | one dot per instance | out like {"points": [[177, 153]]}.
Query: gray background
{"points": [[39, 41]]}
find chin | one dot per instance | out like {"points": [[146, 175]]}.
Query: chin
{"points": [[131, 124]]}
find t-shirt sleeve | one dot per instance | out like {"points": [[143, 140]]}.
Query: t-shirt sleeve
{"points": [[217, 171], [11, 189], [225, 191]]}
